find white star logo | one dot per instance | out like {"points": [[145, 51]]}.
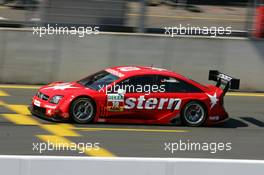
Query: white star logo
{"points": [[213, 99], [61, 86], [49, 111]]}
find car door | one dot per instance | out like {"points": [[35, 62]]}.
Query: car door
{"points": [[137, 91]]}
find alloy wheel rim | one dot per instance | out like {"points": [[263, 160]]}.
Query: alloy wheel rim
{"points": [[83, 110], [194, 114]]}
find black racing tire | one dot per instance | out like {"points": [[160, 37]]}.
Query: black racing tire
{"points": [[82, 110], [194, 114]]}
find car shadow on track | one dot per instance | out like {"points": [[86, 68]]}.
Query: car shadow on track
{"points": [[253, 121], [231, 123], [242, 122]]}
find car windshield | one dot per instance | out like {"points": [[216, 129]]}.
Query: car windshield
{"points": [[98, 80]]}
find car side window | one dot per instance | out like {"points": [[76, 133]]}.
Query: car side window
{"points": [[136, 84], [171, 84]]}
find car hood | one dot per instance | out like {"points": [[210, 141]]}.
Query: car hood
{"points": [[59, 88]]}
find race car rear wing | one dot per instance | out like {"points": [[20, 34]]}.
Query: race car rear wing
{"points": [[224, 81]]}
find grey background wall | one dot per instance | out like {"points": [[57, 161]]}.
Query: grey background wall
{"points": [[29, 59]]}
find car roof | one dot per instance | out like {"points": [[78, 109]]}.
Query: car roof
{"points": [[127, 71]]}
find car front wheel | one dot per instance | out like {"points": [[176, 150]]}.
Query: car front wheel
{"points": [[82, 110]]}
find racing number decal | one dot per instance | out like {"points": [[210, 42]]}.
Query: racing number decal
{"points": [[115, 102]]}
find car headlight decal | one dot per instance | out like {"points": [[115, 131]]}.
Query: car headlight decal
{"points": [[56, 99]]}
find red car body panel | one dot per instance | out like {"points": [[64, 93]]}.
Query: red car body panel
{"points": [[160, 112]]}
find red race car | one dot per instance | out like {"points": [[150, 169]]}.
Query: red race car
{"points": [[135, 94]]}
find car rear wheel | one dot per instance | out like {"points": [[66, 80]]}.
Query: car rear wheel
{"points": [[194, 114], [82, 110]]}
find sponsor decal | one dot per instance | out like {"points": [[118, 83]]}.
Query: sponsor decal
{"points": [[153, 103], [127, 69], [36, 103], [115, 102], [114, 72], [101, 120], [122, 69], [225, 77], [158, 69], [215, 118], [49, 106]]}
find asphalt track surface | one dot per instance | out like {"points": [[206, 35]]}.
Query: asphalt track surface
{"points": [[19, 131]]}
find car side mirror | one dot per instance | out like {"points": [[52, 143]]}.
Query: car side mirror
{"points": [[121, 91]]}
